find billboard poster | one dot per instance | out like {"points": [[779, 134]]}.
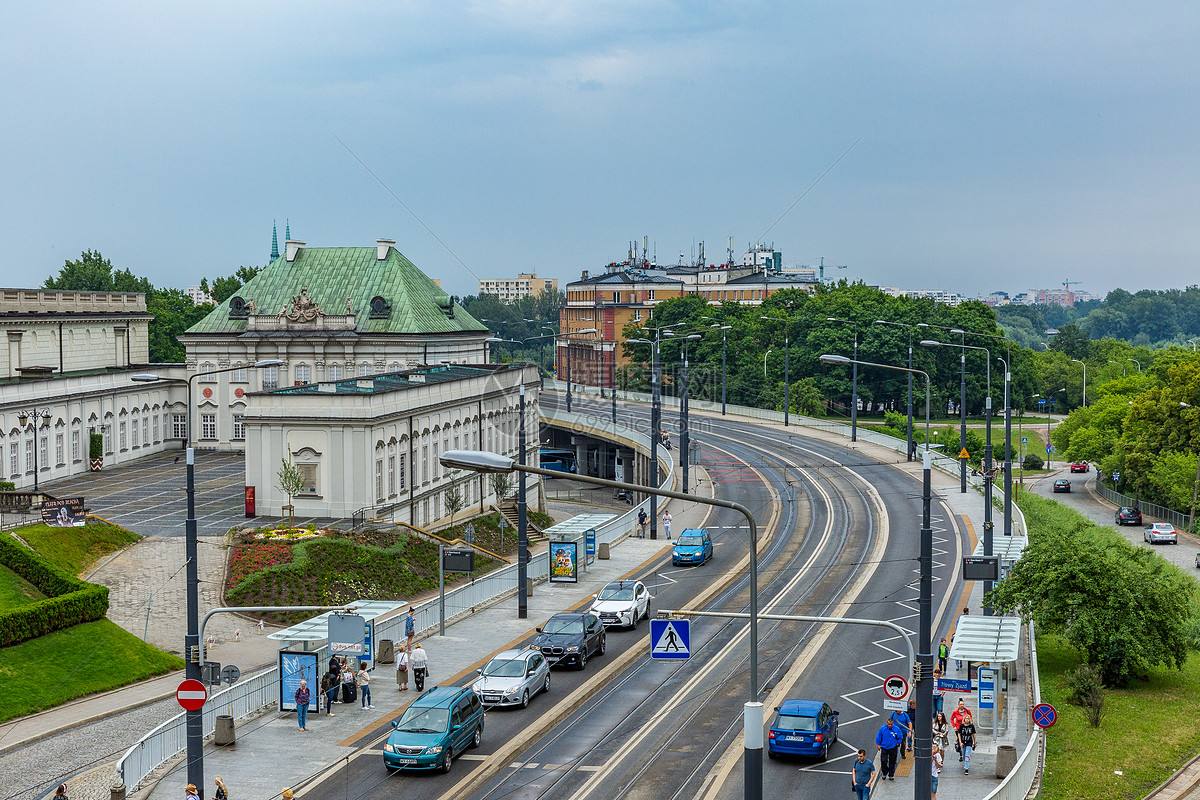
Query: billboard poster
{"points": [[564, 562], [64, 512], [346, 634], [295, 666]]}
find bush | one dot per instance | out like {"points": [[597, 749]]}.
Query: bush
{"points": [[95, 445], [1085, 688], [1033, 461], [69, 601], [7, 486]]}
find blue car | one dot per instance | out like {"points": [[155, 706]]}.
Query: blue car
{"points": [[694, 546], [439, 725], [802, 728]]}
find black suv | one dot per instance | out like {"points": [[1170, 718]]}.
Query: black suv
{"points": [[1128, 516], [571, 638]]}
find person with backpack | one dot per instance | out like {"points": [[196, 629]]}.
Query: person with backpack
{"points": [[329, 687], [966, 741], [903, 724]]}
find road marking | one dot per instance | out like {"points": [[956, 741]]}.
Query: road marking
{"points": [[468, 757]]}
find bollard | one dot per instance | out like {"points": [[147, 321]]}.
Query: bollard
{"points": [[1006, 759], [116, 792], [386, 653], [602, 551], [223, 735]]}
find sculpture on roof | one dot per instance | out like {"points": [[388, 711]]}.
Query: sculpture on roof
{"points": [[349, 307], [303, 308]]}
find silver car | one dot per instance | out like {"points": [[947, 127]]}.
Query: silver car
{"points": [[1161, 532], [512, 678]]}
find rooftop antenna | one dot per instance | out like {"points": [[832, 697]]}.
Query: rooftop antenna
{"points": [[645, 249], [700, 260], [730, 252]]}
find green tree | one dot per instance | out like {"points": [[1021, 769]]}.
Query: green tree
{"points": [[174, 312], [290, 481], [223, 288], [1072, 340], [453, 500], [92, 272]]}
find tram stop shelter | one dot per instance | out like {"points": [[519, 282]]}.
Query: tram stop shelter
{"points": [[989, 642]]}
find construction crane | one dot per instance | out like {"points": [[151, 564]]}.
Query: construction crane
{"points": [[1068, 283]]}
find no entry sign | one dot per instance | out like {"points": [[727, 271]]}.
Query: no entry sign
{"points": [[191, 694]]}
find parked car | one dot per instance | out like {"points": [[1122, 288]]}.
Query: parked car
{"points": [[1161, 533], [1062, 485], [512, 678], [441, 723], [694, 546], [622, 603], [571, 638], [802, 728], [1197, 560], [1127, 515], [1079, 466]]}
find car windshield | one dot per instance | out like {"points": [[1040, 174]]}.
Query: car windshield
{"points": [[795, 722], [424, 720], [505, 668], [693, 541], [563, 625], [616, 593], [1126, 510]]}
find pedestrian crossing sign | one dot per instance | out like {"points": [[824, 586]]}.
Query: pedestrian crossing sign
{"points": [[670, 638]]}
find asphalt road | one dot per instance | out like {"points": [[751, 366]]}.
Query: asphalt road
{"points": [[657, 729]]}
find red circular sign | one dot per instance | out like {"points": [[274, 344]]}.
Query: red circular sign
{"points": [[207, 392], [895, 687], [191, 694], [239, 392], [1044, 715]]}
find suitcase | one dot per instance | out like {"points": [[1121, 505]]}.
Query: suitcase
{"points": [[349, 692]]}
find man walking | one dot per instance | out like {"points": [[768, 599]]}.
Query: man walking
{"points": [[943, 655], [966, 741], [643, 518], [420, 666], [888, 741], [666, 523], [302, 698], [862, 773]]}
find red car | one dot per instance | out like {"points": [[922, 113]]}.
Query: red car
{"points": [[1079, 466]]}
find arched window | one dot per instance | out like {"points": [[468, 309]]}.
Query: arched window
{"points": [[303, 374]]}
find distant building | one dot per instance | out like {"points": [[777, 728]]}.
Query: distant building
{"points": [[763, 257], [509, 290], [997, 298], [937, 295], [199, 296]]}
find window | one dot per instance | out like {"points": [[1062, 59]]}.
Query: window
{"points": [[179, 426], [156, 437], [208, 426], [334, 372], [14, 459], [238, 375], [379, 480], [44, 451], [303, 375], [270, 378], [136, 438], [239, 427], [424, 464], [108, 448], [75, 445], [437, 465], [403, 460], [146, 430], [60, 450], [391, 476], [637, 315], [29, 455], [309, 473], [123, 438]]}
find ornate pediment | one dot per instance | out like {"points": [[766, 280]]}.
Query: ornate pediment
{"points": [[302, 308]]}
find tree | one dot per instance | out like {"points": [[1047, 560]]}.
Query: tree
{"points": [[1072, 340], [502, 484], [453, 500], [223, 288], [92, 272], [291, 482], [174, 312]]}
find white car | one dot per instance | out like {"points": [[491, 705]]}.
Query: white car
{"points": [[1161, 533], [512, 678], [622, 603]]}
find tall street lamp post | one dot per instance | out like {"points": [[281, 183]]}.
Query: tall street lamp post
{"points": [[1008, 451], [923, 733], [854, 378], [522, 516], [912, 450], [36, 414], [724, 352], [1084, 365], [655, 417], [191, 641], [684, 431], [787, 367], [1195, 486], [962, 402], [752, 717]]}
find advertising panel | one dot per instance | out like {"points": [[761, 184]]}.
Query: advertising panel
{"points": [[564, 562]]}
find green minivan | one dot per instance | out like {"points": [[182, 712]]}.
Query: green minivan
{"points": [[441, 723]]}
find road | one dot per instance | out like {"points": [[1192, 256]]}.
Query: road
{"points": [[844, 543]]}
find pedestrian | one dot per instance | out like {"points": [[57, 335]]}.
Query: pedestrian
{"points": [[643, 518], [941, 730], [402, 671], [410, 627], [61, 792], [192, 794], [904, 726], [862, 776], [302, 698], [956, 721], [222, 792], [329, 687], [936, 764], [943, 655], [335, 667], [888, 741], [666, 523], [939, 694], [966, 741], [364, 685], [420, 666], [286, 794]]}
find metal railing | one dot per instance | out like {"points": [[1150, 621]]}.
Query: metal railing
{"points": [[1177, 518], [261, 690]]}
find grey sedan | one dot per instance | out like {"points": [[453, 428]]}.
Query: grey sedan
{"points": [[512, 678]]}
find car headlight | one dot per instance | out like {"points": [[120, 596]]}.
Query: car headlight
{"points": [[433, 751], [387, 748], [572, 649]]}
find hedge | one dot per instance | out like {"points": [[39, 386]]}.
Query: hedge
{"points": [[69, 600]]}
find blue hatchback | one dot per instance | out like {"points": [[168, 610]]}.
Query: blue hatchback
{"points": [[802, 728], [694, 546]]}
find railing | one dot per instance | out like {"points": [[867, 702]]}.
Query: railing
{"points": [[261, 690], [1177, 518]]}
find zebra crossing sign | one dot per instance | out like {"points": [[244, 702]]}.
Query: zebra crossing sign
{"points": [[670, 638]]}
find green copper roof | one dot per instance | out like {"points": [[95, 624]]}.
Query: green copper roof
{"points": [[333, 274]]}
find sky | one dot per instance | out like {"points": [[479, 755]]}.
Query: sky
{"points": [[963, 146]]}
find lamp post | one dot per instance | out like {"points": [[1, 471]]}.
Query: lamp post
{"points": [[1007, 361], [1135, 361], [35, 414], [1120, 363], [853, 378], [684, 432], [962, 402], [912, 451], [787, 367], [522, 516], [191, 641], [724, 352], [923, 733], [1195, 486], [753, 713], [1084, 365]]}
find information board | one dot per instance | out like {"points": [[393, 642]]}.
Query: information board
{"points": [[295, 666]]}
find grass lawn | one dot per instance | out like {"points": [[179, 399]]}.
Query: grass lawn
{"points": [[61, 666], [76, 549], [15, 590], [1149, 730]]}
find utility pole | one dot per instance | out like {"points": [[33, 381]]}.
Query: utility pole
{"points": [[522, 516], [684, 435], [655, 429]]}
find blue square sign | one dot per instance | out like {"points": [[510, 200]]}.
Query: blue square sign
{"points": [[670, 638]]}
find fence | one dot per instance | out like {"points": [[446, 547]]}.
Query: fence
{"points": [[1177, 518], [260, 691]]}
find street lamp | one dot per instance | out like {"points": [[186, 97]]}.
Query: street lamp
{"points": [[191, 641], [923, 734], [684, 433], [35, 414], [787, 367], [962, 401], [853, 378], [1134, 360], [1084, 365], [1008, 452], [724, 352], [655, 415], [909, 330], [480, 461]]}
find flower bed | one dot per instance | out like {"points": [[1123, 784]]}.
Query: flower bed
{"points": [[248, 559]]}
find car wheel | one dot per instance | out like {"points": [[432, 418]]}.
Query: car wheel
{"points": [[583, 658], [477, 739], [448, 759], [525, 699], [825, 752], [546, 684], [770, 754], [603, 644]]}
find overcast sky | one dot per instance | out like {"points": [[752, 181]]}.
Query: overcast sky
{"points": [[991, 145]]}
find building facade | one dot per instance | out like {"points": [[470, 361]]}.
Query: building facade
{"points": [[371, 444], [71, 355], [328, 313], [509, 290]]}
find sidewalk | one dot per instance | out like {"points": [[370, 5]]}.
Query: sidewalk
{"points": [[264, 758]]}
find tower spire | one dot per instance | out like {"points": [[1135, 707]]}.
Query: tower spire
{"points": [[274, 241], [287, 231]]}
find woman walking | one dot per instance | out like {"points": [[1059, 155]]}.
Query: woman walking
{"points": [[364, 685], [222, 792], [302, 698], [941, 730]]}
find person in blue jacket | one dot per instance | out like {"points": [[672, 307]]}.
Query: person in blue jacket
{"points": [[903, 722], [888, 741]]}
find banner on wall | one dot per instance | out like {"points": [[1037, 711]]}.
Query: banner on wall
{"points": [[63, 512]]}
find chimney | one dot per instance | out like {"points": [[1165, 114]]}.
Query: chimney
{"points": [[382, 246], [291, 248], [584, 277]]}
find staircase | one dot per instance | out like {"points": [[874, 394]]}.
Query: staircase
{"points": [[508, 509]]}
